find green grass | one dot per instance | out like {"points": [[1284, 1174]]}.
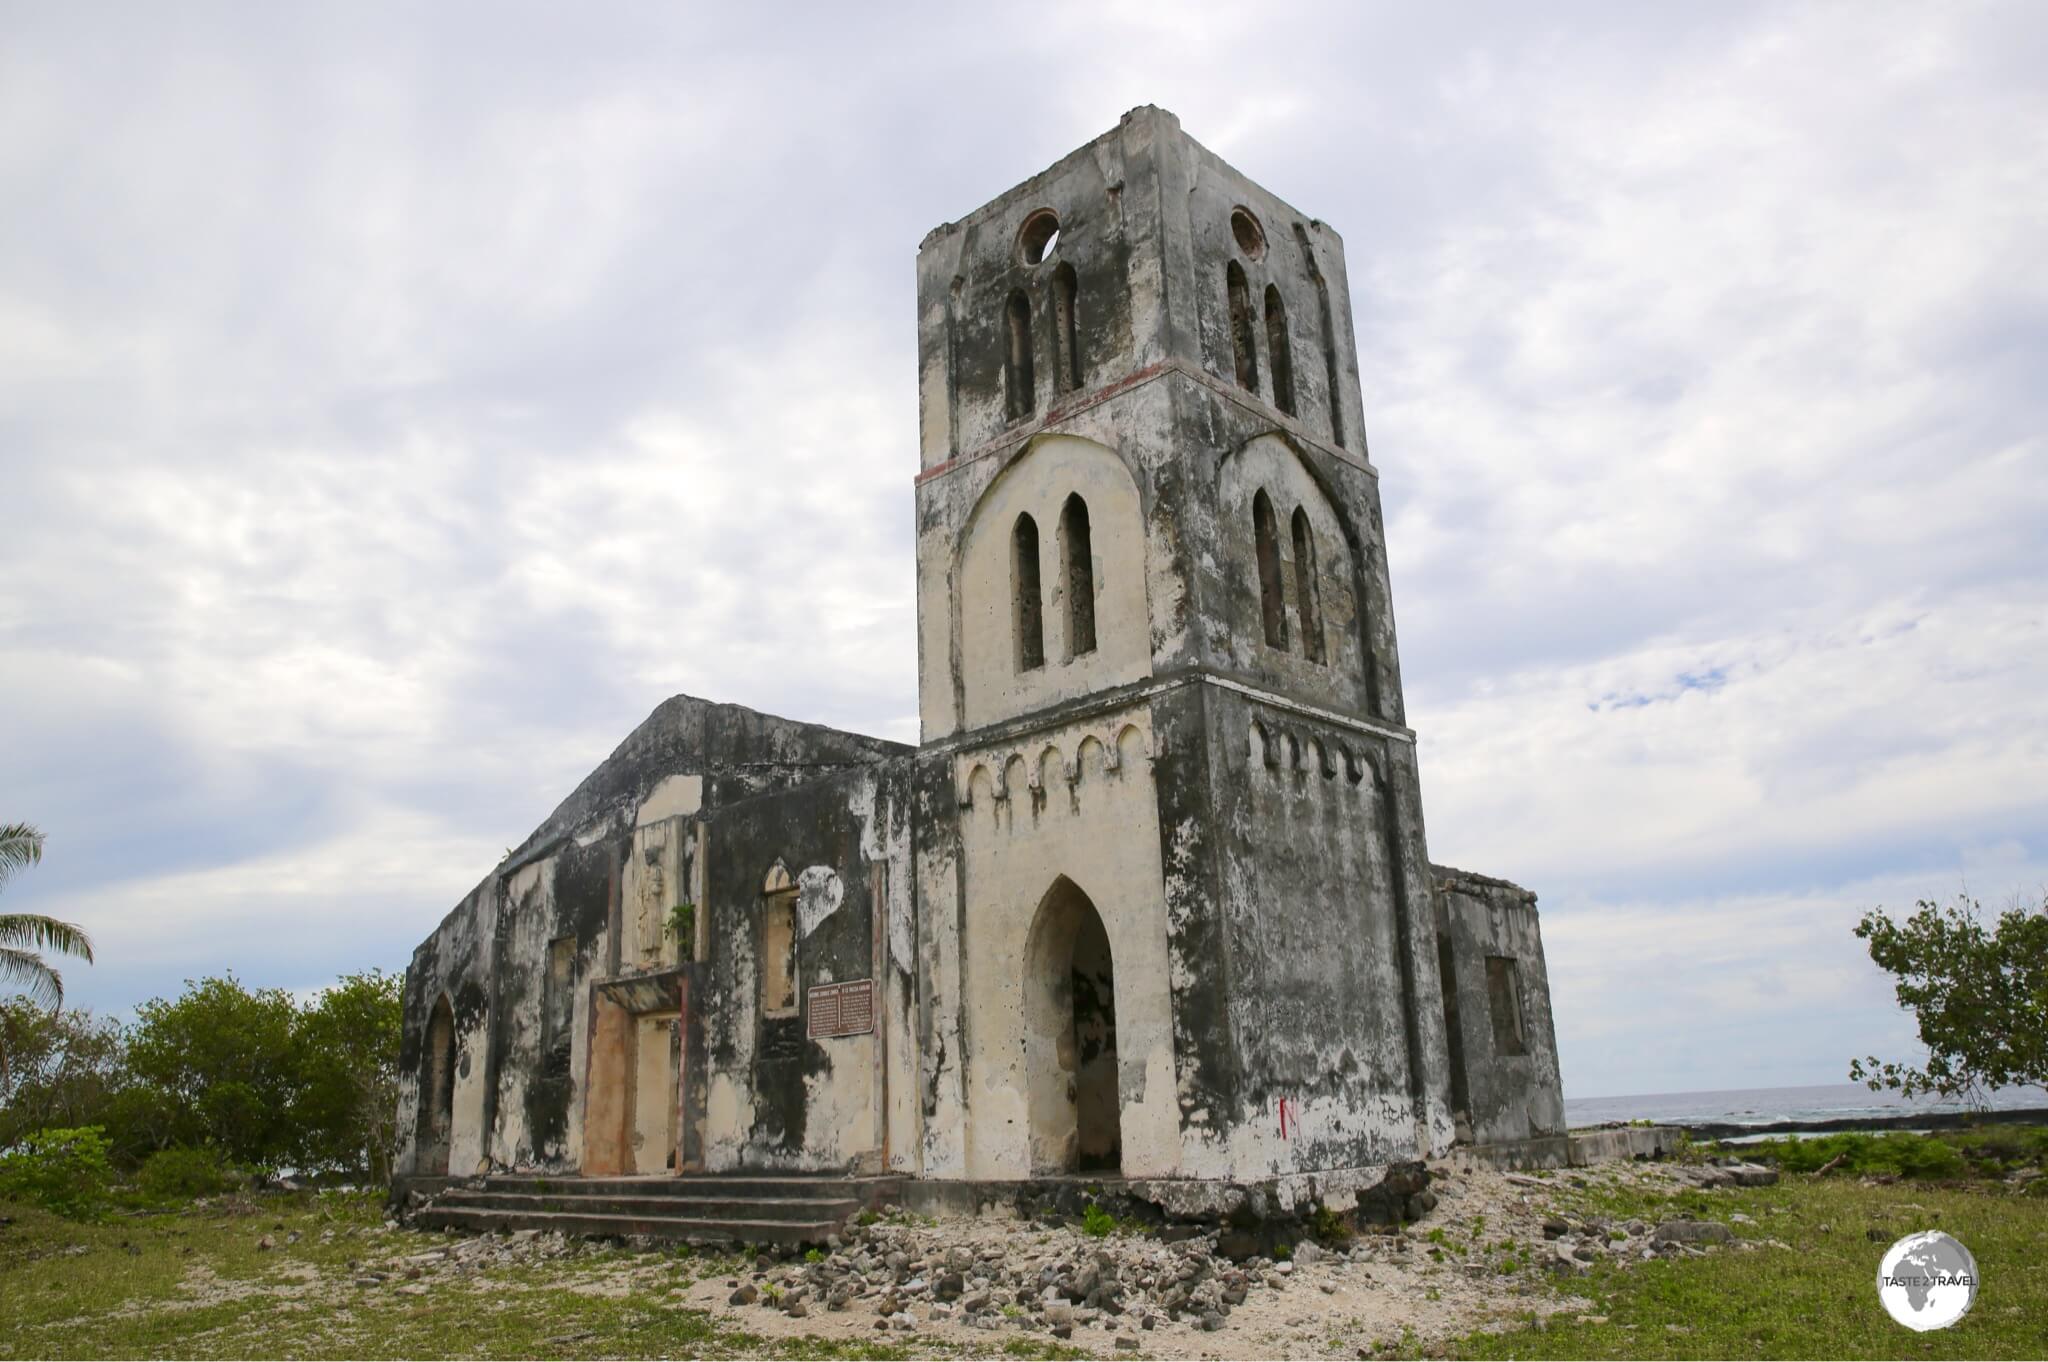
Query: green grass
{"points": [[1816, 1298], [194, 1284]]}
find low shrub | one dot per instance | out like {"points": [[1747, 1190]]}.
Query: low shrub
{"points": [[1896, 1154], [173, 1175], [65, 1171]]}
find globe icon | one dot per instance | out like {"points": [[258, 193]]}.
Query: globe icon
{"points": [[1927, 1280]]}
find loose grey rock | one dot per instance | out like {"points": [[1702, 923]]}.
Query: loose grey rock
{"points": [[1691, 1232]]}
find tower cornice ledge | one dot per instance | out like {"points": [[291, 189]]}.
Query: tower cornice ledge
{"points": [[1060, 415], [1104, 702]]}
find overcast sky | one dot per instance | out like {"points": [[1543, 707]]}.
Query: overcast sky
{"points": [[396, 403]]}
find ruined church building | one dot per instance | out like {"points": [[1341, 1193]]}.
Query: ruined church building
{"points": [[1151, 896]]}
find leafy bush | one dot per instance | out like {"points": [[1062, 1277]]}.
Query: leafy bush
{"points": [[65, 1171], [1097, 1222], [1979, 993], [172, 1175], [1896, 1154]]}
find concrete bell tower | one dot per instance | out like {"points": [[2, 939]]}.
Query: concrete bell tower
{"points": [[1176, 914]]}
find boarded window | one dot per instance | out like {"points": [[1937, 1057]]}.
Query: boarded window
{"points": [[1017, 374], [1504, 1001], [1029, 612], [1077, 559], [778, 944], [1279, 351], [1307, 589], [1266, 543], [1241, 324]]}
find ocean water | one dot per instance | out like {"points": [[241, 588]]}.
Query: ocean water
{"points": [[1760, 1106]]}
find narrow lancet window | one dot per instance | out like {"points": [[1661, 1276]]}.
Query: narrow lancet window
{"points": [[1332, 370], [1272, 601], [1067, 363], [1017, 374], [1307, 589], [1077, 559], [778, 943], [1241, 323], [1279, 353], [1024, 581]]}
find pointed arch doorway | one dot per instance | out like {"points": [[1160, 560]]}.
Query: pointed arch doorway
{"points": [[1070, 1036]]}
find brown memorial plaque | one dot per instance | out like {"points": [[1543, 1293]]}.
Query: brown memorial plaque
{"points": [[846, 1009]]}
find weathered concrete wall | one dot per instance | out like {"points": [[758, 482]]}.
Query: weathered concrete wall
{"points": [[778, 1097], [592, 888], [991, 684], [965, 515], [1504, 1048], [453, 967], [1314, 945], [1071, 808]]}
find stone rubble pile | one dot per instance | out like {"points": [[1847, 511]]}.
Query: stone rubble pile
{"points": [[907, 1276], [466, 1256], [1572, 1246]]}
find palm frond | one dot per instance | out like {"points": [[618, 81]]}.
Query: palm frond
{"points": [[34, 932], [26, 971], [21, 844]]}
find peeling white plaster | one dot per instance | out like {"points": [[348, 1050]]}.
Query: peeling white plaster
{"points": [[676, 796], [819, 893]]}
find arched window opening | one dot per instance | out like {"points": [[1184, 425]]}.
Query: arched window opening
{"points": [[1039, 237], [1077, 560], [1307, 588], [1017, 375], [1251, 238], [1272, 601], [1332, 369], [1067, 363], [778, 944], [1241, 323], [438, 1111], [1024, 586], [1279, 353]]}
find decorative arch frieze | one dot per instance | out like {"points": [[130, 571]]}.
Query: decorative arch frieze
{"points": [[987, 778]]}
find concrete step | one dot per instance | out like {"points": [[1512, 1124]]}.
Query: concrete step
{"points": [[789, 1187], [477, 1220], [809, 1210]]}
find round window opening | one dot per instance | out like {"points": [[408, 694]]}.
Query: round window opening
{"points": [[1040, 237], [1251, 238]]}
